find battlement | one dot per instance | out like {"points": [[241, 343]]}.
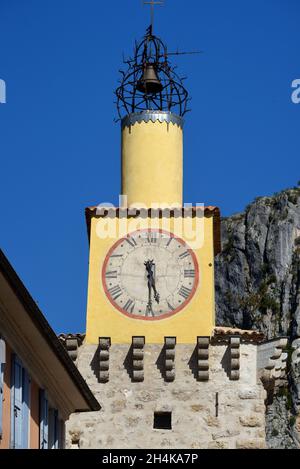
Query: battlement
{"points": [[210, 394]]}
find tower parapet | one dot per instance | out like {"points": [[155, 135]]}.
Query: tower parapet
{"points": [[147, 405]]}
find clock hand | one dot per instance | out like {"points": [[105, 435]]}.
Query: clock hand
{"points": [[149, 272], [156, 294], [149, 304], [151, 281]]}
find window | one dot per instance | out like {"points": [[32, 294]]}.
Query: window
{"points": [[61, 434], [43, 420], [53, 429], [2, 364], [162, 420], [20, 392]]}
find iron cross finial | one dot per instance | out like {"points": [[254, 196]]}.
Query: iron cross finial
{"points": [[153, 3]]}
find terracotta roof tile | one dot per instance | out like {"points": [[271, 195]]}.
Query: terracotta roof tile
{"points": [[249, 335], [80, 337], [209, 211]]}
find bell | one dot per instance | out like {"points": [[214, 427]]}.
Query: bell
{"points": [[149, 83]]}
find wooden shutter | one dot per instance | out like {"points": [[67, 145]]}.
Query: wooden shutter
{"points": [[43, 420], [53, 429], [16, 403], [61, 433], [2, 365], [25, 408], [56, 430]]}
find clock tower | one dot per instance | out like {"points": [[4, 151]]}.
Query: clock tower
{"points": [[164, 375], [151, 269]]}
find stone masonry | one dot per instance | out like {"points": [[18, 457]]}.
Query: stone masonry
{"points": [[221, 412]]}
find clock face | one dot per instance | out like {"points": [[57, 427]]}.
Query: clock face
{"points": [[150, 274]]}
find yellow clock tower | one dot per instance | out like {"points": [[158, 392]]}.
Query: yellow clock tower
{"points": [[151, 269], [164, 375]]}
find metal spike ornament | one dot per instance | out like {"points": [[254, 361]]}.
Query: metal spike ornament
{"points": [[150, 81]]}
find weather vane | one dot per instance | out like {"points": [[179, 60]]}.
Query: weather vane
{"points": [[153, 3]]}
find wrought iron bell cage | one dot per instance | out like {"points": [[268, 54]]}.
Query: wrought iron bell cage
{"points": [[150, 82]]}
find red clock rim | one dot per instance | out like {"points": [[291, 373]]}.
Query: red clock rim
{"points": [[162, 316]]}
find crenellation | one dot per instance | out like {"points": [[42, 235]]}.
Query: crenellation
{"points": [[234, 344], [203, 358], [104, 345], [128, 407], [169, 350], [138, 358]]}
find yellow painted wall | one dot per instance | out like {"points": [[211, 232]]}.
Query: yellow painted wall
{"points": [[197, 318], [152, 163]]}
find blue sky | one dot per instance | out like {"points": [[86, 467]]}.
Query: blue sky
{"points": [[59, 146]]}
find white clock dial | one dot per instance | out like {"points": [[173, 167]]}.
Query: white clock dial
{"points": [[150, 274]]}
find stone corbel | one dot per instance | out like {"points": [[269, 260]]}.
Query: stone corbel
{"points": [[71, 345], [138, 358], [203, 358], [170, 343], [234, 345], [271, 363], [278, 360], [276, 355], [104, 346], [279, 371]]}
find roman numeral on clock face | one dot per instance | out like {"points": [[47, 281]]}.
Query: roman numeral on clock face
{"points": [[152, 238], [131, 241], [129, 305], [170, 306], [169, 241], [189, 273], [111, 274], [184, 254], [184, 292], [115, 292]]}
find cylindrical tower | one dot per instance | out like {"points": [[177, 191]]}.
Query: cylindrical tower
{"points": [[151, 104], [152, 159]]}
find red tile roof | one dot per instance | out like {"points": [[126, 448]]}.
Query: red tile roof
{"points": [[249, 335], [209, 211]]}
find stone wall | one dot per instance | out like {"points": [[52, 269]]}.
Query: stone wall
{"points": [[278, 419], [127, 414]]}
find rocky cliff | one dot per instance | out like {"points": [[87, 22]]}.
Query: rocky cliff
{"points": [[258, 286]]}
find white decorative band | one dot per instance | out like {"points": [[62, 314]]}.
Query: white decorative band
{"points": [[153, 116]]}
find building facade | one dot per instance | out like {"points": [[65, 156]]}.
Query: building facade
{"points": [[39, 384]]}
